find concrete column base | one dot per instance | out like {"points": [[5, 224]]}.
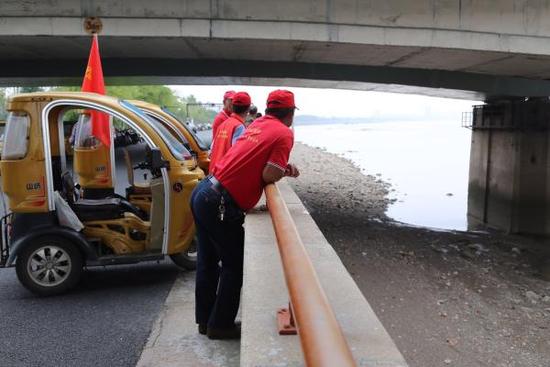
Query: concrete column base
{"points": [[509, 167]]}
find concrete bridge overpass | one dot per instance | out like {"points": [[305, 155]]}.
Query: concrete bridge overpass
{"points": [[462, 49]]}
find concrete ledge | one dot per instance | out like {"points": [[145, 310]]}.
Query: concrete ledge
{"points": [[174, 340], [264, 291]]}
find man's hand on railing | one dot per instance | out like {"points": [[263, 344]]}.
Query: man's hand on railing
{"points": [[292, 171], [273, 173]]}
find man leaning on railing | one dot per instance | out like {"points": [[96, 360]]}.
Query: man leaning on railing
{"points": [[219, 203]]}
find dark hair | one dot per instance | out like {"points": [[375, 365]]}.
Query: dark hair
{"points": [[253, 110], [240, 109], [280, 113]]}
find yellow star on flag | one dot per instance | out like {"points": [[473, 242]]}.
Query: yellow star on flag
{"points": [[88, 74]]}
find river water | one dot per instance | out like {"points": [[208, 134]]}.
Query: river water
{"points": [[425, 162]]}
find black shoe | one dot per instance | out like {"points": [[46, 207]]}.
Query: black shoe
{"points": [[202, 329], [224, 333]]}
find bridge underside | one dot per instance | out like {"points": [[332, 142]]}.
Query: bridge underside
{"points": [[467, 74]]}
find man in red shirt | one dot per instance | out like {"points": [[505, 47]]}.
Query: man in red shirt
{"points": [[224, 113], [230, 129], [219, 202]]}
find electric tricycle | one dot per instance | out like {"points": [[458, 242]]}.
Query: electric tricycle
{"points": [[190, 139], [57, 225]]}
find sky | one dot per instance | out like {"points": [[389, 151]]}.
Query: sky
{"points": [[345, 103]]}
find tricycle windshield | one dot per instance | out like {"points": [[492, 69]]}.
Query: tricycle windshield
{"points": [[180, 137], [177, 149], [197, 139]]}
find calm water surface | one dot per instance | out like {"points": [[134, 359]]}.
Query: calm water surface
{"points": [[426, 163]]}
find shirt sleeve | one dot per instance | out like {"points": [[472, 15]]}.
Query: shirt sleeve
{"points": [[239, 130], [211, 149], [281, 151]]}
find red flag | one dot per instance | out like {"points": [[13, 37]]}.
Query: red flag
{"points": [[93, 82]]}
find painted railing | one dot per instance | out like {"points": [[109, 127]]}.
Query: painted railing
{"points": [[323, 343]]}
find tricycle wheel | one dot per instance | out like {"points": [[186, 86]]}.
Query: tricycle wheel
{"points": [[187, 260], [50, 265]]}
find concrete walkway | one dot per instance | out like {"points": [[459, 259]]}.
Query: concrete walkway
{"points": [[174, 340], [264, 291]]}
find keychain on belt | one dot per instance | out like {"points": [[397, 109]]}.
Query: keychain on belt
{"points": [[221, 208]]}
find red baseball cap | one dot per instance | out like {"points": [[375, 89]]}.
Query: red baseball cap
{"points": [[241, 99], [228, 95], [281, 98]]}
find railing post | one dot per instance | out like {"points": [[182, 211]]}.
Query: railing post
{"points": [[285, 321]]}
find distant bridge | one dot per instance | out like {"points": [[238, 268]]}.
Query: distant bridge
{"points": [[462, 49]]}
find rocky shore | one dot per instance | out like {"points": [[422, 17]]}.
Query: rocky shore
{"points": [[447, 298]]}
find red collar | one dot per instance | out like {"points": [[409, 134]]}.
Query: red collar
{"points": [[271, 117], [237, 117]]}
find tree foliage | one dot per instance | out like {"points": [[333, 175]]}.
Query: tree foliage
{"points": [[162, 96], [29, 89]]}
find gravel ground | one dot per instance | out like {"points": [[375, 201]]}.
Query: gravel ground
{"points": [[447, 298]]}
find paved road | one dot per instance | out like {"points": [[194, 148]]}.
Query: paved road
{"points": [[105, 321]]}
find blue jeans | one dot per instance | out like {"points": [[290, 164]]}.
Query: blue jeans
{"points": [[218, 289]]}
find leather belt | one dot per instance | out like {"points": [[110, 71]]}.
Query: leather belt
{"points": [[216, 185]]}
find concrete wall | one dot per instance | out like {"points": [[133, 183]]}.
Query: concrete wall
{"points": [[492, 178], [532, 199], [509, 173], [505, 17], [477, 185], [505, 26]]}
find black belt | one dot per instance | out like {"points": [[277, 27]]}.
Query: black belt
{"points": [[216, 185]]}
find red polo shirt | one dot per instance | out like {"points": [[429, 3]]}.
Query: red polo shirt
{"points": [[228, 132], [220, 117], [266, 141]]}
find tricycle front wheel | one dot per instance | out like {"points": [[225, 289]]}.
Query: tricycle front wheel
{"points": [[50, 265], [187, 260]]}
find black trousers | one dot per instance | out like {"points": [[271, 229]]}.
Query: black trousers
{"points": [[218, 288]]}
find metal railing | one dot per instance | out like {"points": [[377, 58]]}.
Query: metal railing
{"points": [[467, 119], [322, 340]]}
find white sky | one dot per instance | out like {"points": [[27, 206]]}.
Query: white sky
{"points": [[344, 103]]}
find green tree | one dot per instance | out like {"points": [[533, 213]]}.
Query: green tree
{"points": [[201, 113], [30, 89], [162, 96]]}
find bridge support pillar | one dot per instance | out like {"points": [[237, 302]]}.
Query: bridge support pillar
{"points": [[510, 166]]}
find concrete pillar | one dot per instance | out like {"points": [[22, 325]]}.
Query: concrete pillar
{"points": [[509, 166]]}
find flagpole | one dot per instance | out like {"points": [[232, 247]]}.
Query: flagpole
{"points": [[112, 153]]}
